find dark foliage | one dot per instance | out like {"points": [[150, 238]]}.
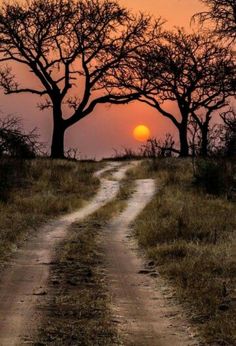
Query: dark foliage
{"points": [[14, 142], [213, 176], [154, 148], [229, 128], [13, 173], [16, 147]]}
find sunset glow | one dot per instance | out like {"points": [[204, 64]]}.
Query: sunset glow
{"points": [[141, 133], [111, 127]]}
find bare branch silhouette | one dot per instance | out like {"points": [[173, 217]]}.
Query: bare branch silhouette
{"points": [[190, 71], [72, 47], [222, 13]]}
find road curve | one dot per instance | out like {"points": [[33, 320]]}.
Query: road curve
{"points": [[24, 280]]}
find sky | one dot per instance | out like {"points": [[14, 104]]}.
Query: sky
{"points": [[108, 128]]}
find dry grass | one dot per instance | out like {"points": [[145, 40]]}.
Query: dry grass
{"points": [[191, 237], [77, 312], [46, 189]]}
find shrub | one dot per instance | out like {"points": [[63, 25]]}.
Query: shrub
{"points": [[13, 172], [15, 147], [14, 142], [214, 176]]}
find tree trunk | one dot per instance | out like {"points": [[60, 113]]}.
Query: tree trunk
{"points": [[204, 144], [183, 138], [57, 147]]}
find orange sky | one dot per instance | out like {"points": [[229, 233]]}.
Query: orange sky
{"points": [[109, 126]]}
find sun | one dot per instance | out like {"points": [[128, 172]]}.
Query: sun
{"points": [[141, 133]]}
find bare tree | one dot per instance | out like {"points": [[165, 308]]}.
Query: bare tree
{"points": [[229, 130], [223, 14], [72, 47], [188, 70], [229, 119], [14, 142], [194, 137]]}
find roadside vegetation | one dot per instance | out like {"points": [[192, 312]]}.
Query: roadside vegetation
{"points": [[76, 310], [34, 191], [189, 231]]}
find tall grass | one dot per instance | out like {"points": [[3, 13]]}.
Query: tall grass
{"points": [[76, 311], [46, 189], [191, 237]]}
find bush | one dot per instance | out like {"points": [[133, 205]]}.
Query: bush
{"points": [[15, 147], [214, 176], [14, 142], [13, 172]]}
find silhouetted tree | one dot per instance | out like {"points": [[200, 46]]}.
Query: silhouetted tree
{"points": [[15, 142], [188, 70], [223, 14], [194, 137], [229, 119], [72, 47]]}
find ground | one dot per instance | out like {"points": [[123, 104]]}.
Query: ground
{"points": [[82, 279]]}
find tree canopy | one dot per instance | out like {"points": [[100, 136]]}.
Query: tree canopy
{"points": [[72, 47], [190, 70], [222, 13]]}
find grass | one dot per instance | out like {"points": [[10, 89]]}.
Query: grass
{"points": [[76, 311], [44, 189], [191, 237]]}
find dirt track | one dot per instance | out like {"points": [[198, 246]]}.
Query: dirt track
{"points": [[24, 280], [140, 310], [143, 315]]}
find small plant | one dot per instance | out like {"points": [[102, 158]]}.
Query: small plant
{"points": [[126, 154], [154, 148]]}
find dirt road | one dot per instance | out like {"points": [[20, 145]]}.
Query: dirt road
{"points": [[140, 310], [142, 313], [24, 280]]}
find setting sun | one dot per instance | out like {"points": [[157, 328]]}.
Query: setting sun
{"points": [[141, 133]]}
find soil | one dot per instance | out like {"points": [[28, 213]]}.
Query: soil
{"points": [[24, 280], [140, 309], [139, 301]]}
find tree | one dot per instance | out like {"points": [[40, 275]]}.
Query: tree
{"points": [[229, 120], [223, 14], [72, 47], [189, 70]]}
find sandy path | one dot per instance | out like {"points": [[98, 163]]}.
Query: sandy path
{"points": [[142, 313], [24, 280]]}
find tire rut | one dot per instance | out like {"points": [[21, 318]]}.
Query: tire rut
{"points": [[24, 280], [143, 315]]}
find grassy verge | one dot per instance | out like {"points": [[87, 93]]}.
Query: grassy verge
{"points": [[76, 310], [38, 190], [191, 237]]}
